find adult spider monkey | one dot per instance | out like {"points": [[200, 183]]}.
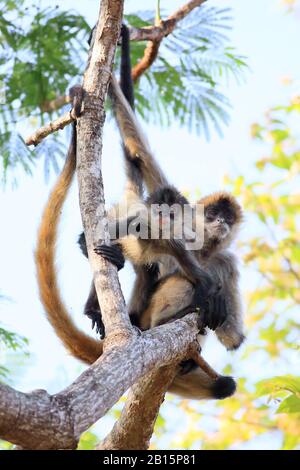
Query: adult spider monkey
{"points": [[80, 345]]}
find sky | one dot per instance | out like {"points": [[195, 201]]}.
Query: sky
{"points": [[267, 37]]}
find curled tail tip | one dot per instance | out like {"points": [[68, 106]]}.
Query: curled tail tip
{"points": [[223, 387]]}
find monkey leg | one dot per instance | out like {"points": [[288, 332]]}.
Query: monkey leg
{"points": [[230, 334], [92, 310]]}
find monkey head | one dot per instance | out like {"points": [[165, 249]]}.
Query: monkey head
{"points": [[222, 217], [167, 205]]}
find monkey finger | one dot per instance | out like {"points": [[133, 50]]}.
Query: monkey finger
{"points": [[111, 253], [213, 314]]}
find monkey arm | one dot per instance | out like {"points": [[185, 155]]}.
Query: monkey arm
{"points": [[206, 294], [224, 265], [113, 254], [189, 265]]}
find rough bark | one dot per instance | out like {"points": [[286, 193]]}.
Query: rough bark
{"points": [[89, 150], [134, 428], [38, 420]]}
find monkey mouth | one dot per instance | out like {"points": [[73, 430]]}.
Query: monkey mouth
{"points": [[223, 231]]}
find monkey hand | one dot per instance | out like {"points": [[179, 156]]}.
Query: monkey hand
{"points": [[212, 308], [207, 286], [96, 317], [111, 253]]}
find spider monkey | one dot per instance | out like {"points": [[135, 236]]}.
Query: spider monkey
{"points": [[172, 296], [222, 218], [197, 384]]}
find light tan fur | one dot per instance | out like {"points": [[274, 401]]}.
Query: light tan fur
{"points": [[174, 290]]}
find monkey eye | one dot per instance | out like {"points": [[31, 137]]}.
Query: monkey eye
{"points": [[229, 219], [210, 216], [157, 211]]}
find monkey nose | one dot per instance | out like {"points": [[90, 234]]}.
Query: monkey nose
{"points": [[221, 220]]}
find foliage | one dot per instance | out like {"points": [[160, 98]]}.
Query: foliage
{"points": [[184, 82], [10, 341], [43, 51], [269, 408], [88, 441]]}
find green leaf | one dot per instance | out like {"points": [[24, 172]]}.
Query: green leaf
{"points": [[284, 382], [88, 441], [290, 405]]}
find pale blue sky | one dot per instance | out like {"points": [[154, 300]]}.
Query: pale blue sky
{"points": [[263, 33]]}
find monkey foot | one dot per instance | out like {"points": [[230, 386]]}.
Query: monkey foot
{"points": [[95, 316]]}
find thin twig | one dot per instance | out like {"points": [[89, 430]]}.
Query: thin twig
{"points": [[53, 126]]}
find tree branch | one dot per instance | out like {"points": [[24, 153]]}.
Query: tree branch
{"points": [[166, 27], [150, 54], [89, 150], [53, 126], [38, 420], [153, 34], [134, 428]]}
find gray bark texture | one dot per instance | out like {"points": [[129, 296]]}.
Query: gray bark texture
{"points": [[37, 420]]}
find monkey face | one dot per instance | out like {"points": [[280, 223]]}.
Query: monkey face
{"points": [[217, 222], [168, 220], [218, 228]]}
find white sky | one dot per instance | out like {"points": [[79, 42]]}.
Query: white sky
{"points": [[263, 33]]}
